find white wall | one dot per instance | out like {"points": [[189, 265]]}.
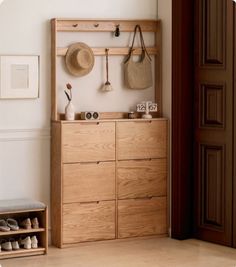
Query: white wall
{"points": [[25, 124]]}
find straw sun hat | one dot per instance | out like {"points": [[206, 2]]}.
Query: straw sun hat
{"points": [[79, 59]]}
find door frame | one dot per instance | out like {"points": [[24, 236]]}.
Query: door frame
{"points": [[182, 183], [182, 118], [234, 136]]}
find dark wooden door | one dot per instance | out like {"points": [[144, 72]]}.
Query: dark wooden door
{"points": [[213, 135]]}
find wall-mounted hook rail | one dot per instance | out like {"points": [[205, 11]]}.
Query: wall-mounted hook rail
{"points": [[117, 30], [113, 51]]}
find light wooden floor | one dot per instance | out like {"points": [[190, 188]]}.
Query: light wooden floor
{"points": [[154, 252]]}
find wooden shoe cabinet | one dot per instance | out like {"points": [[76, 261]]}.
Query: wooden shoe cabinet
{"points": [[109, 176], [108, 180], [41, 233]]}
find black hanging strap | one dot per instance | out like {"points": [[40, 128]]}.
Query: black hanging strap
{"points": [[138, 27]]}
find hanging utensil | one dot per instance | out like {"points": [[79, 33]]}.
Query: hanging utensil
{"points": [[107, 86]]}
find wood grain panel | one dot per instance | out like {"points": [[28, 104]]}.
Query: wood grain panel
{"points": [[141, 217], [142, 178], [214, 29], [56, 185], [74, 25], [88, 182], [212, 185], [113, 51], [88, 221], [53, 71], [88, 142], [212, 105], [141, 140]]}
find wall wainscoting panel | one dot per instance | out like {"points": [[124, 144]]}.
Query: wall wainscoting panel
{"points": [[9, 135], [25, 164]]}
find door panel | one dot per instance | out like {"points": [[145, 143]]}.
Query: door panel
{"points": [[213, 21], [234, 181], [214, 120], [212, 186]]}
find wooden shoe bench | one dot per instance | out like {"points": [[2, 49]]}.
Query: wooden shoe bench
{"points": [[20, 209]]}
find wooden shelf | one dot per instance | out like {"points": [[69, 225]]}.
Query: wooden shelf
{"points": [[75, 25], [109, 120], [21, 253], [113, 51], [109, 26], [22, 231], [21, 211]]}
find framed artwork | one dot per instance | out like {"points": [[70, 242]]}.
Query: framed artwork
{"points": [[19, 77]]}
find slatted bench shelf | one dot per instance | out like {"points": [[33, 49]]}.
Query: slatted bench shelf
{"points": [[19, 209]]}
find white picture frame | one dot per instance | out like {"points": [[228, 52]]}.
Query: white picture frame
{"points": [[19, 77]]}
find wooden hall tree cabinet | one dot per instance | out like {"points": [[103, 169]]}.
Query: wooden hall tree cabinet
{"points": [[109, 183], [109, 176]]}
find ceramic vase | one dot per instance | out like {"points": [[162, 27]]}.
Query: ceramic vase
{"points": [[69, 112]]}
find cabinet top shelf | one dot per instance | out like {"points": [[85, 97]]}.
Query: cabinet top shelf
{"points": [[101, 25], [109, 120]]}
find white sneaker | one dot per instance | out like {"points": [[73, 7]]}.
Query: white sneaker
{"points": [[14, 244], [34, 242], [6, 245], [26, 242]]}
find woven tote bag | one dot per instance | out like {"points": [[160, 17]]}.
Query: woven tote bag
{"points": [[138, 74]]}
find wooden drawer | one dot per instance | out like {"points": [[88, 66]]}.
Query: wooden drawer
{"points": [[88, 221], [83, 182], [141, 139], [142, 217], [88, 142], [141, 178]]}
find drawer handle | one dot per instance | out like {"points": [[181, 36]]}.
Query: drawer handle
{"points": [[89, 202], [144, 198], [89, 163], [141, 121], [92, 123]]}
